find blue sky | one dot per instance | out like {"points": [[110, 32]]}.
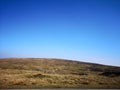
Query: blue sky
{"points": [[85, 30]]}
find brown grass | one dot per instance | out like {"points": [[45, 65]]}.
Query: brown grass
{"points": [[52, 73]]}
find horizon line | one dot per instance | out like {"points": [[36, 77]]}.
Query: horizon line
{"points": [[58, 59]]}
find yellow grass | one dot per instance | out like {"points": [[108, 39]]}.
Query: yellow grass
{"points": [[25, 74]]}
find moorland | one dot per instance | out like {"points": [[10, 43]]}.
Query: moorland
{"points": [[36, 73]]}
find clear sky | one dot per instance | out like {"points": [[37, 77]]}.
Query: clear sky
{"points": [[85, 30]]}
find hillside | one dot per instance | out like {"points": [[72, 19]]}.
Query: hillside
{"points": [[56, 73]]}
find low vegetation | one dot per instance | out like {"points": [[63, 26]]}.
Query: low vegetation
{"points": [[56, 73]]}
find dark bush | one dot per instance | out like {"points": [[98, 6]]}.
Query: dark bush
{"points": [[110, 73]]}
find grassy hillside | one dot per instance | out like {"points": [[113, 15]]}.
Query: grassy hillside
{"points": [[56, 73]]}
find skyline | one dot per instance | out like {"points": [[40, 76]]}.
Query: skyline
{"points": [[85, 30]]}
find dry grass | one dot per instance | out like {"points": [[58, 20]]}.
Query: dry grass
{"points": [[50, 73]]}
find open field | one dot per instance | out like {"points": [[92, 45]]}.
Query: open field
{"points": [[56, 73]]}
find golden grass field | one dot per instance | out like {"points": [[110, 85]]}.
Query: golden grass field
{"points": [[36, 73]]}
